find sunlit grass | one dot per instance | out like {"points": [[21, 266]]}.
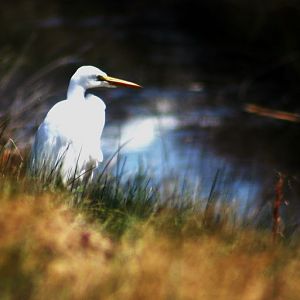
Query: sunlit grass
{"points": [[119, 239]]}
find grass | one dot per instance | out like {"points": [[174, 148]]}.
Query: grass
{"points": [[121, 239]]}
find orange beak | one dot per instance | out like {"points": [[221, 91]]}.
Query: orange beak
{"points": [[120, 82]]}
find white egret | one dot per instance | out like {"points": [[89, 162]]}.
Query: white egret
{"points": [[67, 142]]}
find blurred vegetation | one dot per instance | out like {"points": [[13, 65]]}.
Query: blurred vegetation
{"points": [[123, 239], [51, 250]]}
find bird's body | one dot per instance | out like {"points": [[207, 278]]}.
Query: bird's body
{"points": [[67, 142]]}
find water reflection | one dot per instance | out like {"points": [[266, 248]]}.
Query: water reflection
{"points": [[139, 133], [173, 136]]}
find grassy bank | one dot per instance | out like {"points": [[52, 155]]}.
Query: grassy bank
{"points": [[119, 240]]}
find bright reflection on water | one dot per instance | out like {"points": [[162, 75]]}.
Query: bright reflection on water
{"points": [[140, 133]]}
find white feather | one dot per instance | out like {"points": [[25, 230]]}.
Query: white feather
{"points": [[68, 139]]}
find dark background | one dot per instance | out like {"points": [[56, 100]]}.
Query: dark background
{"points": [[249, 48]]}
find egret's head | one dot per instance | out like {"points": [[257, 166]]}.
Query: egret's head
{"points": [[91, 77]]}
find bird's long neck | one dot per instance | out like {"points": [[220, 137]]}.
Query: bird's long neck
{"points": [[75, 92]]}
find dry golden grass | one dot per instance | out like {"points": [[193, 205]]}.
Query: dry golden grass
{"points": [[50, 251]]}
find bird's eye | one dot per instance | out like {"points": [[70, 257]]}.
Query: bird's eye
{"points": [[100, 78]]}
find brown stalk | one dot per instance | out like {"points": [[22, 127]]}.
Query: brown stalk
{"points": [[271, 113], [276, 230]]}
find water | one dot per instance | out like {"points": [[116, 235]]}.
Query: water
{"points": [[182, 134]]}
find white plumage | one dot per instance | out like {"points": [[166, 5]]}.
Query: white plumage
{"points": [[67, 142]]}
